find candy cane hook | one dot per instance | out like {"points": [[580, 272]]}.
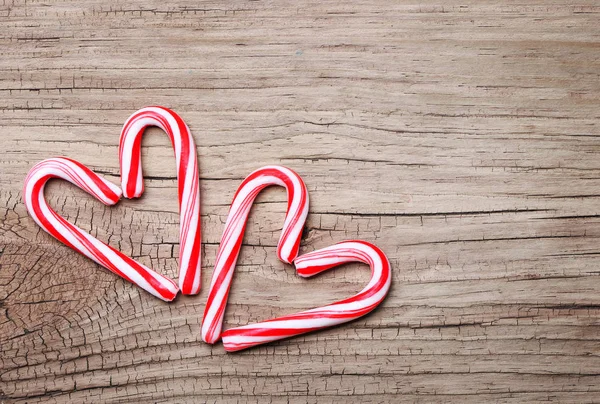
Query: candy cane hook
{"points": [[287, 247], [339, 312], [79, 240], [132, 182]]}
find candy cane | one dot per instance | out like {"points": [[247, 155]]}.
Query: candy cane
{"points": [[132, 182], [287, 247], [340, 312], [79, 240]]}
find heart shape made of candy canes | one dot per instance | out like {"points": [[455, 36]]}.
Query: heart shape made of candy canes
{"points": [[79, 240], [231, 241], [164, 288], [342, 311], [307, 265], [132, 182]]}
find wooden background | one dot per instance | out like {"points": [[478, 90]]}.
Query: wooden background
{"points": [[460, 137]]}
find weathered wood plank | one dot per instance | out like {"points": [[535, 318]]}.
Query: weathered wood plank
{"points": [[462, 138]]}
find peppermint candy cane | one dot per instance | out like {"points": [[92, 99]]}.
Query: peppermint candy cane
{"points": [[310, 264], [79, 240], [231, 241], [132, 182]]}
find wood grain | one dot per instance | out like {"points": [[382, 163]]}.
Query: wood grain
{"points": [[460, 137]]}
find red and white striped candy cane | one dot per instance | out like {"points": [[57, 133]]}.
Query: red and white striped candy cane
{"points": [[79, 240], [132, 182], [231, 241], [340, 312]]}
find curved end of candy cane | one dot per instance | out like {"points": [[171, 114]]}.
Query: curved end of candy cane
{"points": [[315, 262], [77, 174]]}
